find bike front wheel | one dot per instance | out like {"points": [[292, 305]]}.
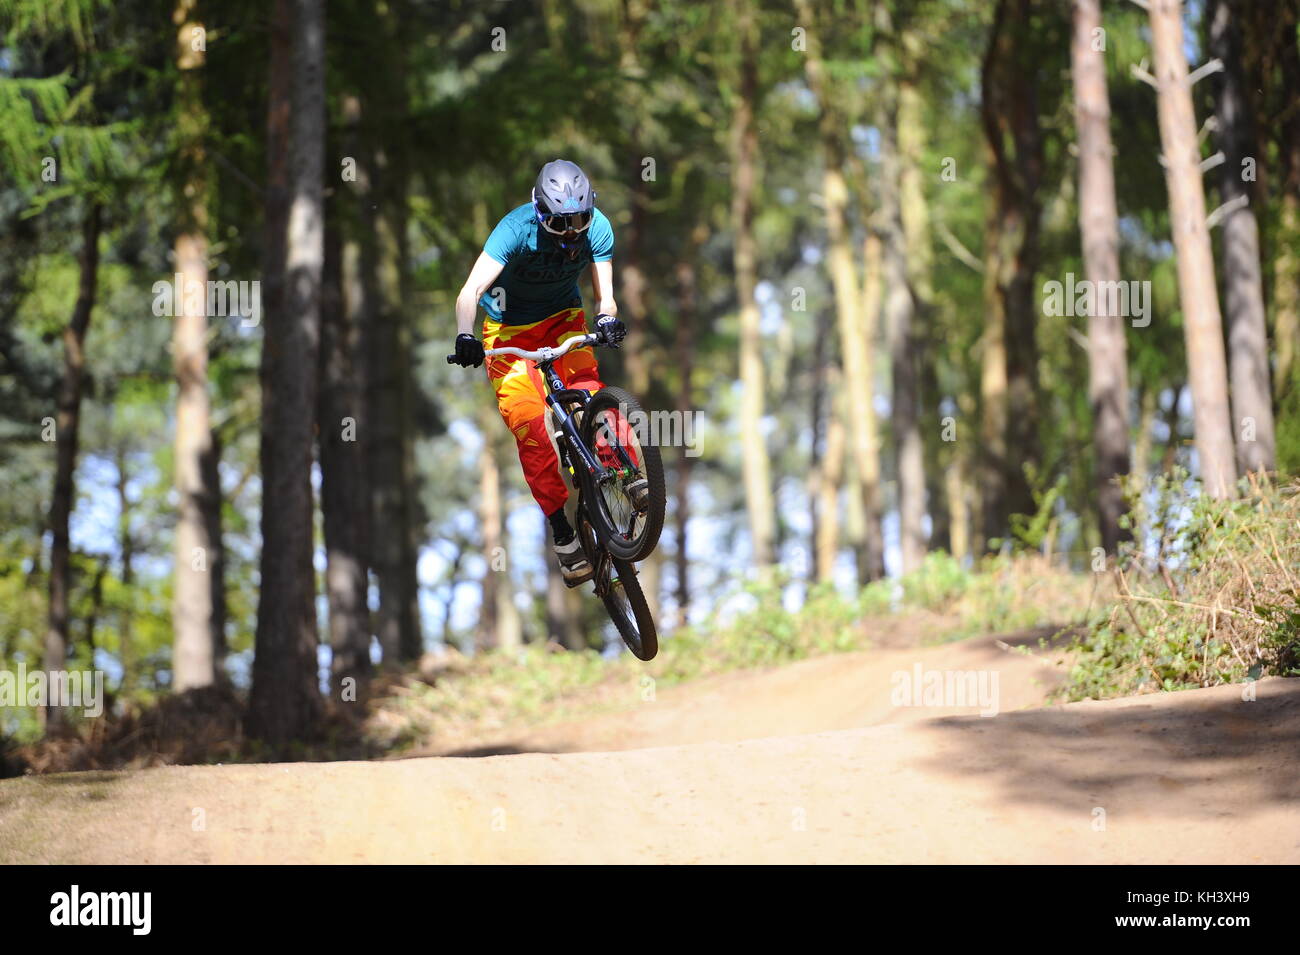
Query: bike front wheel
{"points": [[609, 428]]}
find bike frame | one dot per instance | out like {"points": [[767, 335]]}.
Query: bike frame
{"points": [[559, 397]]}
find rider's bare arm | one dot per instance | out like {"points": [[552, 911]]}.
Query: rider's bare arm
{"points": [[481, 276], [602, 283]]}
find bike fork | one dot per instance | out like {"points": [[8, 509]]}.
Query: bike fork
{"points": [[570, 430]]}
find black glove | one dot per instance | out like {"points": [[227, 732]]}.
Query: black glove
{"points": [[469, 351], [612, 328]]}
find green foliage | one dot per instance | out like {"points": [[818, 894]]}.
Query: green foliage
{"points": [[769, 632], [1288, 427], [1211, 595], [1004, 593], [1033, 531], [938, 582]]}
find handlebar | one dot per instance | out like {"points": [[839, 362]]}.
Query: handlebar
{"points": [[543, 354]]}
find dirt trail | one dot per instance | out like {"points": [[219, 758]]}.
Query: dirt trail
{"points": [[1199, 776], [841, 691]]}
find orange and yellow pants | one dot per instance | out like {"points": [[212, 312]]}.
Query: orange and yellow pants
{"points": [[521, 392]]}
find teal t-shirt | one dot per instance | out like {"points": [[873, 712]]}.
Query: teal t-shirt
{"points": [[539, 278]]}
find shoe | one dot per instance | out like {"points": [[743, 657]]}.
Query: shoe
{"points": [[574, 566], [638, 492]]}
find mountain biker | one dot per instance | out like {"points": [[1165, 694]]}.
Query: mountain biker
{"points": [[526, 279]]}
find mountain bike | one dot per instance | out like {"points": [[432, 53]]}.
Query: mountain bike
{"points": [[601, 455]]}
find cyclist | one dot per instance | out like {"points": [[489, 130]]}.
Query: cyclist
{"points": [[526, 279]]}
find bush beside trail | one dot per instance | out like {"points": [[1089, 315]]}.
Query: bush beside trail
{"points": [[1208, 594]]}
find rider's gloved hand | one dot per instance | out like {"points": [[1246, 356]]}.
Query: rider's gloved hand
{"points": [[469, 350], [612, 328]]}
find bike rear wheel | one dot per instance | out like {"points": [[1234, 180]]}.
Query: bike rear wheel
{"points": [[627, 607], [627, 533]]}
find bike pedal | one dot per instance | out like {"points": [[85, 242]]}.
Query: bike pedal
{"points": [[578, 581]]}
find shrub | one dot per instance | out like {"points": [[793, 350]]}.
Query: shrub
{"points": [[1209, 593]]}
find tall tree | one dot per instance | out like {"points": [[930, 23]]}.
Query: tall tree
{"points": [[126, 549], [285, 702], [855, 340], [390, 388], [344, 497], [1099, 226], [1286, 271], [757, 477], [194, 656], [900, 304], [1243, 286], [687, 322], [210, 468], [499, 623], [1009, 382], [67, 432], [914, 209], [825, 458], [1203, 326]]}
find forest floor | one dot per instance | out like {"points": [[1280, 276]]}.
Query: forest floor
{"points": [[810, 762]]}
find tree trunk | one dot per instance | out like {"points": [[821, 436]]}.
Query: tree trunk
{"points": [[636, 350], [855, 345], [1172, 443], [563, 605], [1099, 227], [957, 490], [499, 626], [830, 477], [860, 409], [744, 169], [210, 469], [631, 270], [993, 453], [1148, 404], [915, 213], [67, 424], [344, 497], [390, 399], [1286, 285], [279, 103], [685, 346], [1202, 324], [819, 390], [126, 547], [1009, 112], [193, 654], [96, 604], [1272, 38], [1243, 287], [899, 315], [284, 702]]}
